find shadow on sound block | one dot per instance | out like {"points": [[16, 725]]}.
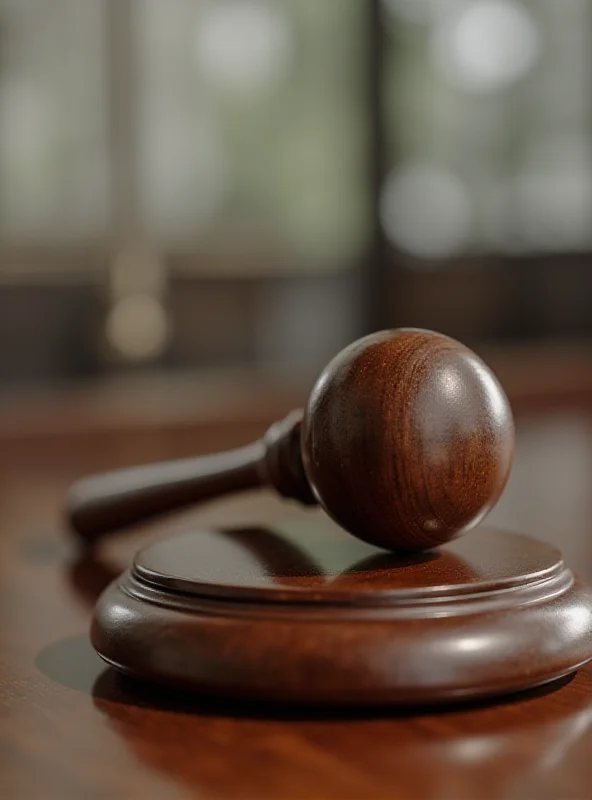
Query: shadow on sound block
{"points": [[406, 441], [311, 615]]}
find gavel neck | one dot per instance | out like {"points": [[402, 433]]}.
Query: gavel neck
{"points": [[100, 504], [282, 467]]}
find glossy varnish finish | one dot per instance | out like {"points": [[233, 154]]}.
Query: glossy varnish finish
{"points": [[415, 431], [255, 614], [407, 441], [70, 728]]}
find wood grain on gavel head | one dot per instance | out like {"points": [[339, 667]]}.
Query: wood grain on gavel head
{"points": [[407, 439]]}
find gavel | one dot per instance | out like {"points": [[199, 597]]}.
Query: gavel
{"points": [[406, 441]]}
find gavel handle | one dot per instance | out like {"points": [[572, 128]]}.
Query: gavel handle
{"points": [[100, 504]]}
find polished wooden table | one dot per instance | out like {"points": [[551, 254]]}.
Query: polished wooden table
{"points": [[70, 727]]}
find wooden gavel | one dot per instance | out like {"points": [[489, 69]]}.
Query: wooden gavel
{"points": [[406, 441]]}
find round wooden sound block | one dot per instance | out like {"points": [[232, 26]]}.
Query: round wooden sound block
{"points": [[305, 613]]}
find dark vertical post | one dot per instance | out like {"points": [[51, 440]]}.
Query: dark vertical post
{"points": [[375, 270]]}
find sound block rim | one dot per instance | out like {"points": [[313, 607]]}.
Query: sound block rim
{"points": [[503, 553], [410, 650]]}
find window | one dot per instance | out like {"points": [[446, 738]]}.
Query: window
{"points": [[489, 112], [54, 159]]}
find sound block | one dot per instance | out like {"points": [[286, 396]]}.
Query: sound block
{"points": [[305, 613]]}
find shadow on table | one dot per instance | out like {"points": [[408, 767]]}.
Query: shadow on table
{"points": [[73, 663]]}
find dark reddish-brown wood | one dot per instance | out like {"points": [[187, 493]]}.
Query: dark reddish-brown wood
{"points": [[407, 441], [101, 504], [71, 728], [314, 616]]}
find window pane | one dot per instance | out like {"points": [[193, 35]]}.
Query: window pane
{"points": [[252, 126], [53, 160], [490, 119]]}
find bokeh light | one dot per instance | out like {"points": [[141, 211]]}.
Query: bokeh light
{"points": [[243, 45], [137, 327], [426, 211], [487, 45]]}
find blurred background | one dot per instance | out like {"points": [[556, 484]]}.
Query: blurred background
{"points": [[202, 201], [248, 185]]}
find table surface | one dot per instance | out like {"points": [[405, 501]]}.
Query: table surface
{"points": [[70, 727]]}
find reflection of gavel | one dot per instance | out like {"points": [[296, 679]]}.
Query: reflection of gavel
{"points": [[406, 441]]}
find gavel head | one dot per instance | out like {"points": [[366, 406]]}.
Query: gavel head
{"points": [[407, 439]]}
